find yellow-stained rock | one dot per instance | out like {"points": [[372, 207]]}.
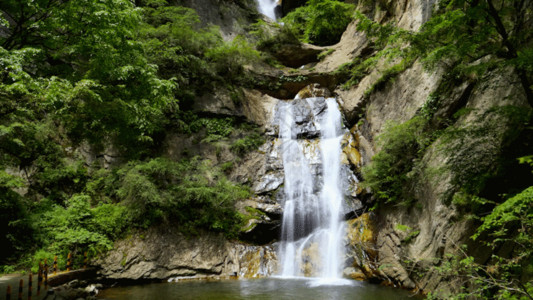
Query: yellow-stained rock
{"points": [[361, 230], [310, 258], [350, 152], [250, 264], [361, 238], [355, 133], [357, 275], [313, 90]]}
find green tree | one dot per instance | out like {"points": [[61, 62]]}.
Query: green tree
{"points": [[464, 31], [87, 64], [320, 22]]}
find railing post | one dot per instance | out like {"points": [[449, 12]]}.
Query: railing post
{"points": [[55, 265], [21, 286], [69, 261], [8, 292], [39, 278], [45, 276], [30, 285], [85, 260]]}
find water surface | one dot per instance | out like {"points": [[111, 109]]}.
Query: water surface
{"points": [[257, 289]]}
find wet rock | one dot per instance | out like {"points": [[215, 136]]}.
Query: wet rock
{"points": [[72, 290], [162, 253], [258, 107], [265, 219], [307, 115], [257, 261], [350, 150], [297, 54], [313, 91], [361, 248], [218, 102], [268, 182], [354, 273]]}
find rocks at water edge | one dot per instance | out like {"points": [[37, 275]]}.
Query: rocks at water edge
{"points": [[164, 253]]}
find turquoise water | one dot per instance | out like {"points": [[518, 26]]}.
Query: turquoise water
{"points": [[257, 289]]}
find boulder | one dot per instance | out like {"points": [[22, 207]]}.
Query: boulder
{"points": [[295, 55], [164, 253]]}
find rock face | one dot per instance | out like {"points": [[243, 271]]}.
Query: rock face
{"points": [[411, 240], [398, 101], [296, 55], [232, 20], [396, 244], [164, 253], [264, 170], [361, 249], [436, 228], [407, 242]]}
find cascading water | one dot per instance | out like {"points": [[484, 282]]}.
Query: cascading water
{"points": [[267, 8], [312, 231]]}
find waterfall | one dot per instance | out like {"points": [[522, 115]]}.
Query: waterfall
{"points": [[267, 8], [312, 229]]}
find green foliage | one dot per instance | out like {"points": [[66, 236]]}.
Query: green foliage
{"points": [[390, 173], [76, 228], [14, 225], [388, 74], [229, 58], [466, 31], [192, 193], [472, 148], [92, 74], [248, 143], [508, 274], [325, 53], [85, 77], [515, 215], [271, 35], [195, 56], [411, 232], [391, 51], [320, 22]]}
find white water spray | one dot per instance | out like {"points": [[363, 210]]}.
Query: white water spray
{"points": [[312, 228], [267, 8]]}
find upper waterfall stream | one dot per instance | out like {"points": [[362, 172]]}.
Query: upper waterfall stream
{"points": [[312, 232], [267, 8]]}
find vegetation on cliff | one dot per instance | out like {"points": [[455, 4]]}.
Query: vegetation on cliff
{"points": [[85, 82], [467, 40], [320, 22], [89, 90]]}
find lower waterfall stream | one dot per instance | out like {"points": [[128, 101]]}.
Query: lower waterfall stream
{"points": [[311, 228]]}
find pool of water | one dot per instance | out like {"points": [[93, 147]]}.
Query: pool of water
{"points": [[257, 289]]}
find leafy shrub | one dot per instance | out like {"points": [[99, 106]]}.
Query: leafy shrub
{"points": [[229, 58], [507, 275], [192, 193], [15, 230], [320, 22], [270, 36], [248, 143], [195, 55], [78, 227], [389, 173]]}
